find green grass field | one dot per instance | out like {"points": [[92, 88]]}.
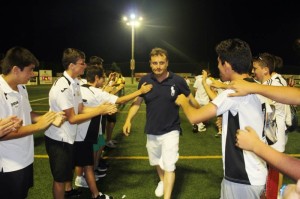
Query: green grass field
{"points": [[199, 170]]}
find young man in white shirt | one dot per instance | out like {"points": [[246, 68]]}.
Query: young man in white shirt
{"points": [[65, 96], [88, 131], [244, 172], [17, 147]]}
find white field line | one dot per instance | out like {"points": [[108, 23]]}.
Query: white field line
{"points": [[38, 99], [146, 157]]}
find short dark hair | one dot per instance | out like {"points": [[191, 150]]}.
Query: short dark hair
{"points": [[18, 56], [266, 60], [237, 53], [95, 60], [71, 55], [92, 71]]}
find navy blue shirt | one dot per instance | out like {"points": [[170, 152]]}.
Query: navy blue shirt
{"points": [[162, 114]]}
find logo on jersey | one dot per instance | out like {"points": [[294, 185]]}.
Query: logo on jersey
{"points": [[64, 90], [172, 91]]}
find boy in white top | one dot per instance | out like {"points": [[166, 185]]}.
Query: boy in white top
{"points": [[16, 148], [88, 131], [263, 67], [201, 97], [244, 172], [65, 96]]}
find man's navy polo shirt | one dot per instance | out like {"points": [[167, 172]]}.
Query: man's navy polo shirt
{"points": [[162, 114]]}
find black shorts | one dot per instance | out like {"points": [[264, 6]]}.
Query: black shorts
{"points": [[111, 118], [103, 123], [61, 159], [83, 154], [16, 184]]}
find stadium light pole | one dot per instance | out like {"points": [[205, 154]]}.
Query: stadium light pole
{"points": [[134, 22]]}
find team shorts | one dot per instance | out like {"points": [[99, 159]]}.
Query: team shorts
{"points": [[231, 190], [111, 118], [103, 123], [100, 143], [163, 150], [61, 159], [83, 154], [16, 184]]}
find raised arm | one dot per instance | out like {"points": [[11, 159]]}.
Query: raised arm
{"points": [[86, 113], [194, 115], [248, 140], [42, 122], [145, 88], [282, 94]]}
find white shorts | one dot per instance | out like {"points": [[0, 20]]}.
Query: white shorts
{"points": [[163, 150], [231, 190]]}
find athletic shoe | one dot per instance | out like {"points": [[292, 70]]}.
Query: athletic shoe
{"points": [[114, 141], [110, 144], [103, 196], [202, 129], [99, 174], [195, 128], [159, 191], [102, 167], [81, 182], [72, 193], [218, 134]]}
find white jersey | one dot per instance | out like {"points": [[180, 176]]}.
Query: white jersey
{"points": [[200, 94], [241, 166], [64, 94], [277, 77], [93, 97], [280, 117], [17, 153]]}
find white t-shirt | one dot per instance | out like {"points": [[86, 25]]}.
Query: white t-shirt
{"points": [[64, 94], [93, 97], [17, 153], [280, 117], [200, 94], [241, 166]]}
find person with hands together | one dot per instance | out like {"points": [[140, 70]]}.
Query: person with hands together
{"points": [[9, 124], [17, 147]]}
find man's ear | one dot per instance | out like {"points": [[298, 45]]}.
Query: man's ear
{"points": [[227, 66], [15, 70]]}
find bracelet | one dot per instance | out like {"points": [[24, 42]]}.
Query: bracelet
{"points": [[281, 191]]}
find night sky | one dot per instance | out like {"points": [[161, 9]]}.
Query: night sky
{"points": [[188, 29]]}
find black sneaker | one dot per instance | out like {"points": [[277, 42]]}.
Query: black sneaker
{"points": [[103, 196], [73, 193], [102, 167], [99, 174], [195, 128], [103, 163]]}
